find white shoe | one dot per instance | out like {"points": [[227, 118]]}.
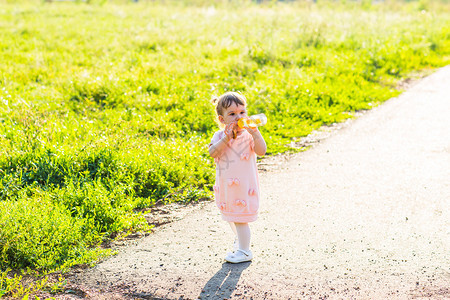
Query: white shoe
{"points": [[239, 256]]}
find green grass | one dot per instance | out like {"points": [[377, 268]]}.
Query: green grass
{"points": [[104, 109]]}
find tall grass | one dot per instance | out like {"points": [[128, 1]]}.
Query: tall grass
{"points": [[104, 110]]}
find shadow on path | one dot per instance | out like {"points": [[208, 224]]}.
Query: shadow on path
{"points": [[224, 282]]}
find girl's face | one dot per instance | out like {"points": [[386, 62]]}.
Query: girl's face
{"points": [[233, 114]]}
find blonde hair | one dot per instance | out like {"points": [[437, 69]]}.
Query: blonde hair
{"points": [[226, 100]]}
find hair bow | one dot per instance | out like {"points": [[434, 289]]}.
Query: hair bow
{"points": [[232, 181], [245, 156], [222, 206], [240, 203]]}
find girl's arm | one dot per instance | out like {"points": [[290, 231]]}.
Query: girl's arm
{"points": [[217, 149], [260, 144]]}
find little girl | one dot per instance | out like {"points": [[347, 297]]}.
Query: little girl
{"points": [[234, 150]]}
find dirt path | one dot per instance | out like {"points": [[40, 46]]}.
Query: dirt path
{"points": [[364, 214]]}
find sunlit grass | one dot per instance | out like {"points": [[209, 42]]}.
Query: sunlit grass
{"points": [[104, 109]]}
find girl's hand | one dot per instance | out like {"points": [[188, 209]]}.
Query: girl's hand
{"points": [[251, 130], [230, 130], [248, 124]]}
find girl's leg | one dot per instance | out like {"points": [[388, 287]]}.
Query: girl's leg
{"points": [[235, 243], [243, 233], [242, 254], [233, 227]]}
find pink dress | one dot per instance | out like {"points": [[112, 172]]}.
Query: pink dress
{"points": [[237, 184]]}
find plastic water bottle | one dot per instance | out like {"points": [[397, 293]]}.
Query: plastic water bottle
{"points": [[253, 121]]}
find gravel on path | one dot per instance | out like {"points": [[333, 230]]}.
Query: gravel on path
{"points": [[364, 214]]}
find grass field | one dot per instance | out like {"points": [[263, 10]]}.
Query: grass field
{"points": [[104, 109]]}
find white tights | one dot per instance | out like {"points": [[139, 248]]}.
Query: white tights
{"points": [[242, 231]]}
